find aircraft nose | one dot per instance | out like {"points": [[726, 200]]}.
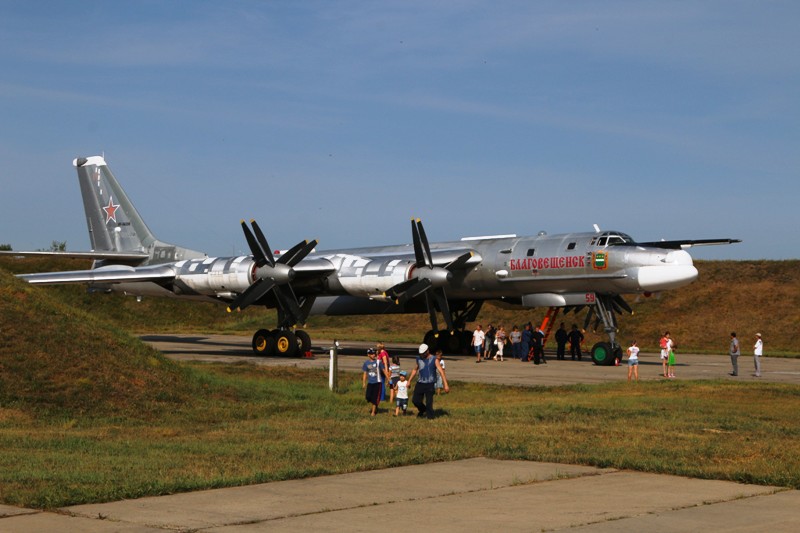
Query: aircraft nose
{"points": [[677, 270]]}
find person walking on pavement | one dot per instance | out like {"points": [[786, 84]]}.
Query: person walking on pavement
{"points": [[478, 336], [426, 370], [758, 349], [734, 353]]}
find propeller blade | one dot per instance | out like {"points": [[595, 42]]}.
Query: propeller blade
{"points": [[432, 313], [262, 240], [253, 293], [298, 252], [425, 246], [288, 301], [414, 290], [459, 262], [623, 304], [401, 287], [444, 307], [588, 318], [417, 244], [255, 247]]}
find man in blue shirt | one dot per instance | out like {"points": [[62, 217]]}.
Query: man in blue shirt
{"points": [[426, 369]]}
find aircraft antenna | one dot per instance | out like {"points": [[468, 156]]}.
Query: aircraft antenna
{"points": [[596, 228]]}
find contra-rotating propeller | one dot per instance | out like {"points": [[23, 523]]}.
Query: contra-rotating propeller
{"points": [[272, 275], [427, 279]]}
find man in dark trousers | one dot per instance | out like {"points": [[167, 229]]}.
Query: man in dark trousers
{"points": [[426, 368], [538, 346], [575, 340], [527, 340], [561, 342]]}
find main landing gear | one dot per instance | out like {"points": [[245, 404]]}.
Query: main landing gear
{"points": [[606, 307], [282, 342]]}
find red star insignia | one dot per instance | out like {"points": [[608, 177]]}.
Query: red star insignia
{"points": [[111, 210]]}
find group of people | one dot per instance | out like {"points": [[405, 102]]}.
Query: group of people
{"points": [[668, 346], [380, 375], [735, 350], [526, 345]]}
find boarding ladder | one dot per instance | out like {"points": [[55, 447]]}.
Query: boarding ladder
{"points": [[548, 322]]}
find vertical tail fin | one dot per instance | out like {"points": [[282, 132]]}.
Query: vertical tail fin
{"points": [[114, 224]]}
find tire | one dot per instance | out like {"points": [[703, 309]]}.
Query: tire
{"points": [[431, 340], [286, 344], [603, 354], [303, 342], [264, 343], [450, 343]]}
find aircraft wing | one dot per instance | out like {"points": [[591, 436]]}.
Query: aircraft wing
{"points": [[110, 274], [679, 245], [128, 257]]}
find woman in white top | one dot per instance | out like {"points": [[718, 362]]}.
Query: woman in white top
{"points": [[633, 361]]}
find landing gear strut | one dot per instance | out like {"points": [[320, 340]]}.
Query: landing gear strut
{"points": [[457, 341], [606, 307]]}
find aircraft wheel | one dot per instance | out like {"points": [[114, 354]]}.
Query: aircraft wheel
{"points": [[450, 343], [264, 343], [286, 344], [603, 354], [303, 342], [431, 340]]}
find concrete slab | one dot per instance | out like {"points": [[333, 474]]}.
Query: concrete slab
{"points": [[9, 510], [554, 505], [776, 513], [273, 501], [39, 522], [470, 495]]}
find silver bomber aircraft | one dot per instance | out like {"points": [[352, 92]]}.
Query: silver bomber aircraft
{"points": [[570, 271]]}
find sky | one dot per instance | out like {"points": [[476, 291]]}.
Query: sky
{"points": [[341, 121]]}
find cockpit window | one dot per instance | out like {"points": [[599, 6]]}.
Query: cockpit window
{"points": [[614, 238]]}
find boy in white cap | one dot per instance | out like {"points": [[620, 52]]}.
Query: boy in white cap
{"points": [[426, 368]]}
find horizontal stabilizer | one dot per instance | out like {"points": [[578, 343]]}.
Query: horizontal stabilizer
{"points": [[126, 257]]}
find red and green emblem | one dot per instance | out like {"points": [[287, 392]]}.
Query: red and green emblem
{"points": [[600, 260]]}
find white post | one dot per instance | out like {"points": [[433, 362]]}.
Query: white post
{"points": [[333, 378]]}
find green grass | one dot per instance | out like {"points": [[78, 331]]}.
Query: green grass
{"points": [[252, 424]]}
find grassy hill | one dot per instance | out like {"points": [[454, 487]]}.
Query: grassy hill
{"points": [[57, 357], [742, 296]]}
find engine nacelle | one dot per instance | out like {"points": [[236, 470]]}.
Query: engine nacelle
{"points": [[215, 276], [370, 278]]}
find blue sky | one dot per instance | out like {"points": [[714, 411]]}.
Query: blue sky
{"points": [[342, 120]]}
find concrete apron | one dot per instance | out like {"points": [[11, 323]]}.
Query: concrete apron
{"points": [[470, 495]]}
